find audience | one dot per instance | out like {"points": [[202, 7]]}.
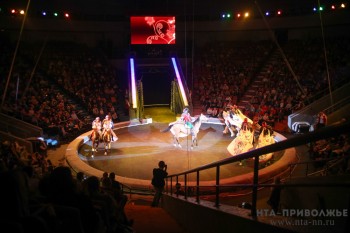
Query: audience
{"points": [[62, 97], [75, 82], [225, 72], [52, 200]]}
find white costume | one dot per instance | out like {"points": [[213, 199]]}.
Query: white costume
{"points": [[97, 124], [265, 139], [96, 127], [228, 122], [107, 124], [242, 143]]}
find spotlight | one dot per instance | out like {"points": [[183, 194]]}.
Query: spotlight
{"points": [[267, 13], [43, 13]]}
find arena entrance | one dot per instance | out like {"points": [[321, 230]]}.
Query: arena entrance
{"points": [[156, 81], [156, 89]]}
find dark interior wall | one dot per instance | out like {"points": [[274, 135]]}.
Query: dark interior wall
{"points": [[156, 88], [114, 36]]}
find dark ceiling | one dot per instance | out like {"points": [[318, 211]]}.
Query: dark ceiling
{"points": [[160, 7]]}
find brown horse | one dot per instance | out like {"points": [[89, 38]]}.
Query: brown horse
{"points": [[107, 139], [95, 139]]}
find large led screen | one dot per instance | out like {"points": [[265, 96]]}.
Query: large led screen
{"points": [[152, 29]]}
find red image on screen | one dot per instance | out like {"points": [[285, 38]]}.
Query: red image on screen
{"points": [[152, 29]]}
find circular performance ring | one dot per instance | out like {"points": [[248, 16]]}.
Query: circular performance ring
{"points": [[141, 146]]}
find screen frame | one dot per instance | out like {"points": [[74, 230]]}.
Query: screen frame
{"points": [[152, 30]]}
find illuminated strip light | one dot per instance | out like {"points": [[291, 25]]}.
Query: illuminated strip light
{"points": [[183, 94], [133, 84]]}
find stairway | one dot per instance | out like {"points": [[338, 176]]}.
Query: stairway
{"points": [[257, 83], [197, 106], [150, 219], [244, 102], [196, 103]]}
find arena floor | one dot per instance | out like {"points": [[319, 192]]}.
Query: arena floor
{"points": [[140, 148]]}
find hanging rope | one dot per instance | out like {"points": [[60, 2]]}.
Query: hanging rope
{"points": [[280, 50], [325, 55], [192, 57], [14, 57], [34, 69]]}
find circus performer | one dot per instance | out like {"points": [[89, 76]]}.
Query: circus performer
{"points": [[236, 111], [256, 129], [96, 128], [186, 117], [321, 120], [107, 124], [245, 124], [244, 140], [265, 138], [228, 121]]}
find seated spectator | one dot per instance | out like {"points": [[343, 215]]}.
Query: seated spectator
{"points": [[60, 190], [120, 197], [102, 202]]}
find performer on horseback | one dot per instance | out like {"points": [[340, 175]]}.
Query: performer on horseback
{"points": [[96, 128], [234, 109], [186, 117], [107, 124], [228, 126]]}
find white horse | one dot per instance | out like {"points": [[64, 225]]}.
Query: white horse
{"points": [[180, 129], [234, 121]]}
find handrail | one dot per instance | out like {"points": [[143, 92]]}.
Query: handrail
{"points": [[325, 92], [324, 170], [329, 131], [337, 105], [291, 165]]}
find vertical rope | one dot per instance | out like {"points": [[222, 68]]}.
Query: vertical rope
{"points": [[34, 69], [325, 55], [192, 61], [14, 56], [280, 49]]}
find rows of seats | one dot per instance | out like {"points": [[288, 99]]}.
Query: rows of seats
{"points": [[276, 81], [71, 84], [39, 197]]}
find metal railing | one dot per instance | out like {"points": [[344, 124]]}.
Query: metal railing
{"points": [[327, 132]]}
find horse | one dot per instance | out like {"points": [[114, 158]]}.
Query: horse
{"points": [[95, 139], [180, 129], [107, 139], [234, 121]]}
